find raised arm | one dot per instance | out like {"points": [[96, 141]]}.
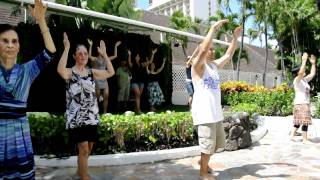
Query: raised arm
{"points": [[160, 69], [62, 69], [189, 61], [115, 55], [103, 74], [302, 67], [230, 51], [313, 61], [129, 59], [198, 61], [39, 12], [149, 61], [92, 58]]}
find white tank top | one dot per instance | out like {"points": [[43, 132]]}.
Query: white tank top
{"points": [[302, 91], [206, 103]]}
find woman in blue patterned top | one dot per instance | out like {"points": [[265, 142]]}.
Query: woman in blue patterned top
{"points": [[82, 111], [16, 153]]}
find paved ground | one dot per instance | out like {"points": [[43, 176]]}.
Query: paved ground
{"points": [[274, 157]]}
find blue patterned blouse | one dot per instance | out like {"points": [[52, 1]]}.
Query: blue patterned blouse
{"points": [[15, 85]]}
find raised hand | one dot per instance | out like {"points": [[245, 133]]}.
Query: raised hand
{"points": [[218, 24], [237, 32], [118, 43], [155, 50], [38, 11], [313, 59], [129, 52], [304, 56], [66, 41], [102, 50], [90, 42]]}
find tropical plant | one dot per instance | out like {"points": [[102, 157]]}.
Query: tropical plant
{"points": [[245, 12], [295, 25], [253, 34], [117, 133], [227, 31], [122, 8], [261, 16], [181, 22]]}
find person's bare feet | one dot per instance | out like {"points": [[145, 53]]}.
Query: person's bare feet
{"points": [[207, 177], [293, 139], [307, 142], [210, 170]]}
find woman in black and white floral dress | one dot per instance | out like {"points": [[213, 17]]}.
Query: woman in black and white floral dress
{"points": [[82, 111]]}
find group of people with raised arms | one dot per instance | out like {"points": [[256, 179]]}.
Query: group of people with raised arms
{"points": [[82, 112], [203, 87], [84, 85], [132, 75], [99, 63]]}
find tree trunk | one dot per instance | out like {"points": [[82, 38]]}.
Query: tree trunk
{"points": [[242, 36], [184, 52], [266, 53], [240, 51], [296, 46], [282, 61]]}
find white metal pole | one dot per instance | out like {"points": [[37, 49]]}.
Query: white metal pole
{"points": [[54, 7]]}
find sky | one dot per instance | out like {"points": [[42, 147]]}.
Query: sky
{"points": [[142, 4], [235, 7]]}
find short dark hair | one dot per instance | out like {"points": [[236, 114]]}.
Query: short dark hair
{"points": [[76, 47], [295, 70], [7, 27], [318, 3]]}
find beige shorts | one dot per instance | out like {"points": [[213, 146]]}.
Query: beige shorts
{"points": [[211, 137]]}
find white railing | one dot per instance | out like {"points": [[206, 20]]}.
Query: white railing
{"points": [[64, 10], [180, 95]]}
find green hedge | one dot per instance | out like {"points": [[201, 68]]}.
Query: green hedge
{"points": [[264, 103], [117, 133]]}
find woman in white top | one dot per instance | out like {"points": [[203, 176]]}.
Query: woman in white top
{"points": [[206, 106], [301, 109]]}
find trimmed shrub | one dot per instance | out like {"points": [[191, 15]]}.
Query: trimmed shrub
{"points": [[249, 98], [117, 133]]}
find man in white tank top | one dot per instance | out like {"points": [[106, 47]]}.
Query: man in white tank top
{"points": [[206, 107]]}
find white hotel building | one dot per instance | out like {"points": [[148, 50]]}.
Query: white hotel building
{"points": [[201, 9]]}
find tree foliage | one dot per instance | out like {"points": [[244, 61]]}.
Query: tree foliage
{"points": [[227, 31], [122, 8], [181, 22]]}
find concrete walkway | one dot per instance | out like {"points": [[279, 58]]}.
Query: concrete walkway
{"points": [[273, 157]]}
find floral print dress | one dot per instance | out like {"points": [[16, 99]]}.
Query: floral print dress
{"points": [[82, 104]]}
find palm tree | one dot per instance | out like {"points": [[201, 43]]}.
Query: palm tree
{"points": [[253, 34], [220, 51], [226, 30], [294, 24], [122, 8], [261, 16], [181, 22], [246, 5]]}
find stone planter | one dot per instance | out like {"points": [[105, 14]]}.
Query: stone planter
{"points": [[237, 128]]}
